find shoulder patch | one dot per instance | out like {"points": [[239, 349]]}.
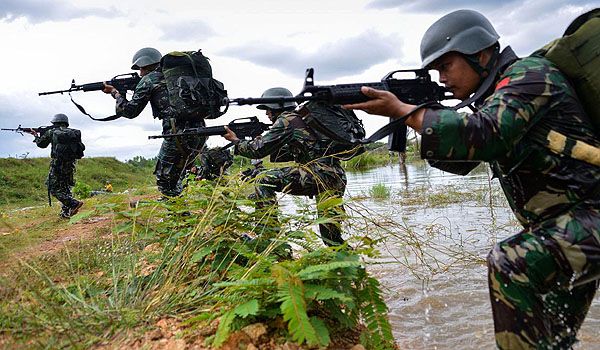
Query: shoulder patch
{"points": [[502, 83]]}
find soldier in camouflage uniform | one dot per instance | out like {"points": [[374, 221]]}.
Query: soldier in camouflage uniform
{"points": [[541, 280], [316, 174], [214, 163], [177, 154], [60, 179]]}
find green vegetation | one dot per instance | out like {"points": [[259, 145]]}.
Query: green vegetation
{"points": [[156, 261], [22, 181], [379, 191]]}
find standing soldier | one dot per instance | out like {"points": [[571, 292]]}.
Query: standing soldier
{"points": [[316, 173], [177, 154], [543, 279], [66, 148]]}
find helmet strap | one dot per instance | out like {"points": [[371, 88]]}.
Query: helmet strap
{"points": [[473, 61]]}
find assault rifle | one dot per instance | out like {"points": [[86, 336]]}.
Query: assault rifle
{"points": [[243, 129], [418, 91], [121, 82], [41, 130]]}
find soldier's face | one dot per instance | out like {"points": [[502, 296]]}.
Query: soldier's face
{"points": [[457, 75]]}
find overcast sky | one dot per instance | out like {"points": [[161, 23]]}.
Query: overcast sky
{"points": [[253, 45]]}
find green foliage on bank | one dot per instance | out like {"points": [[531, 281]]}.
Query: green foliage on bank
{"points": [[23, 181], [211, 253]]}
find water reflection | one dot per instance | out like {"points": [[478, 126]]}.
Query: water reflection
{"points": [[444, 305]]}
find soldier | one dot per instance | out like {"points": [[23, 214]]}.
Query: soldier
{"points": [[541, 280], [251, 173], [315, 173], [214, 163], [66, 148], [177, 154]]}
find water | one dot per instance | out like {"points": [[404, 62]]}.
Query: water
{"points": [[438, 297]]}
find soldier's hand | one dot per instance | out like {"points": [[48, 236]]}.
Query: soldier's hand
{"points": [[32, 132], [108, 88], [383, 103], [230, 136]]}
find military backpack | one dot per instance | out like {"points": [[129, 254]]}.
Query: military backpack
{"points": [[577, 55], [66, 144], [193, 91], [341, 126]]}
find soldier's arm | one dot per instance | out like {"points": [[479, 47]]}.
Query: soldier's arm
{"points": [[277, 137], [44, 140], [139, 100]]}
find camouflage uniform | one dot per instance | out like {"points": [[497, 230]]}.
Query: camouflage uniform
{"points": [[60, 179], [542, 280], [176, 155], [214, 163], [315, 175]]}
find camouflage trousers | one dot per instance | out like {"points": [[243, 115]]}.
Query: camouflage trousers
{"points": [[175, 158], [60, 181], [319, 180], [542, 281]]}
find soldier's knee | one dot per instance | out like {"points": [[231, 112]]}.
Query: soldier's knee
{"points": [[495, 258]]}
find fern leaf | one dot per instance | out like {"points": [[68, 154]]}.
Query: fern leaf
{"points": [[321, 331], [323, 293], [317, 270], [293, 307], [224, 328], [374, 311], [247, 309]]}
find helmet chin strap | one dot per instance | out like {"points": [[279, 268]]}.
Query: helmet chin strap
{"points": [[473, 61]]}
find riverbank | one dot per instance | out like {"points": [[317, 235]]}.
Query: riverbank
{"points": [[115, 276]]}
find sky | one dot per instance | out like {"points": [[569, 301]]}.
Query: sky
{"points": [[252, 46]]}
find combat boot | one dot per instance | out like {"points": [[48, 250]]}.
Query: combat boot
{"points": [[75, 209]]}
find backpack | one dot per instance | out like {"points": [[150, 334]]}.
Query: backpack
{"points": [[192, 90], [577, 55], [215, 161], [341, 127], [66, 144]]}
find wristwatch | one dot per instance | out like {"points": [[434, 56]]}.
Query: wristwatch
{"points": [[114, 94]]}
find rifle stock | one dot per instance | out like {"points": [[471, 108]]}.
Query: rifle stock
{"points": [[249, 127]]}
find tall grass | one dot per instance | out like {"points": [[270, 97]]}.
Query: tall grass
{"points": [[379, 191], [161, 261]]}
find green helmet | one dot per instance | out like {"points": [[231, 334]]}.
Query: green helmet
{"points": [[60, 118], [463, 31], [145, 57], [277, 92]]}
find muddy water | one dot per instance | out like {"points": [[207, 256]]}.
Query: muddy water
{"points": [[440, 301]]}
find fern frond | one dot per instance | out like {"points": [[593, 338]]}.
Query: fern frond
{"points": [[224, 328], [253, 283], [247, 309], [317, 271], [321, 331], [315, 291], [293, 307], [374, 311]]}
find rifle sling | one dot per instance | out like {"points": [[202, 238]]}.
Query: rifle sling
{"points": [[390, 127], [82, 110]]}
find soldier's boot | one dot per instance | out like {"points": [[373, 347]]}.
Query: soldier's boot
{"points": [[74, 210]]}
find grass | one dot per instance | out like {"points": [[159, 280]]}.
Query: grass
{"points": [[150, 263], [379, 191]]}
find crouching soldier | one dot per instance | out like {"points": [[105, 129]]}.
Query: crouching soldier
{"points": [[316, 172]]}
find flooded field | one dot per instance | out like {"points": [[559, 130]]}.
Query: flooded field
{"points": [[440, 228]]}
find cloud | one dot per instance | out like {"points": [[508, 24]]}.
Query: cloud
{"points": [[443, 6], [44, 11], [190, 30], [345, 57]]}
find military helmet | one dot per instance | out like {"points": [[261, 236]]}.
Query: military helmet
{"points": [[145, 57], [463, 31], [256, 162], [277, 92], [60, 118]]}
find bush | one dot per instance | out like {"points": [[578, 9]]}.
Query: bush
{"points": [[379, 191], [82, 190]]}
